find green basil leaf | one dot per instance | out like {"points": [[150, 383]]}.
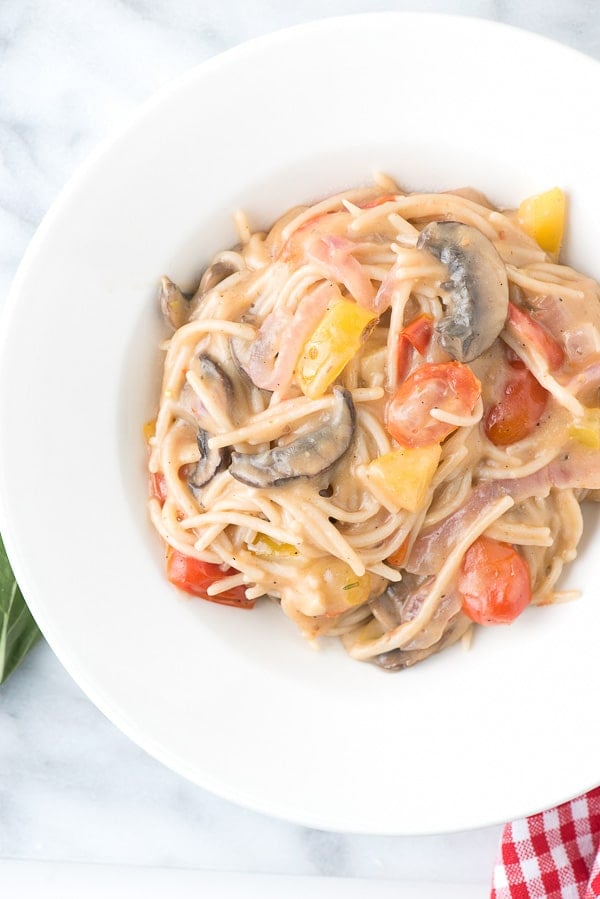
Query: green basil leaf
{"points": [[18, 630]]}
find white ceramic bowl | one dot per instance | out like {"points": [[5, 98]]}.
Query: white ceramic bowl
{"points": [[236, 701]]}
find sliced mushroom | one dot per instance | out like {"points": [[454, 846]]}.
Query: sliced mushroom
{"points": [[217, 398], [401, 601], [398, 659], [174, 303], [216, 273], [476, 293], [179, 307], [305, 457], [240, 354], [210, 463], [211, 410]]}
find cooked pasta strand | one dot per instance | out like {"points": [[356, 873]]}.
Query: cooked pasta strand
{"points": [[328, 435]]}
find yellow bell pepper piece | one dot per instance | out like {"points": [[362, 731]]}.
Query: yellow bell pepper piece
{"points": [[266, 546], [587, 429], [543, 218], [335, 340], [149, 429], [403, 476]]}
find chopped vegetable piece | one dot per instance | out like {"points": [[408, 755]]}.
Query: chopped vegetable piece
{"points": [[309, 455], [543, 218], [530, 332], [520, 408], [334, 256], [397, 558], [494, 583], [475, 294], [327, 586], [331, 587], [415, 336], [334, 342], [175, 305], [210, 462], [266, 546], [450, 387], [587, 429], [149, 429], [418, 332], [194, 576], [404, 475]]}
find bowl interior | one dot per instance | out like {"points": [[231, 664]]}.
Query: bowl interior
{"points": [[237, 701]]}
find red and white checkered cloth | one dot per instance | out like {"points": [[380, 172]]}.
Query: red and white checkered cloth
{"points": [[552, 855]]}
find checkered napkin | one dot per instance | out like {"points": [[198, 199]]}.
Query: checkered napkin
{"points": [[552, 855]]}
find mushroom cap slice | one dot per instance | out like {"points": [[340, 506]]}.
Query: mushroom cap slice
{"points": [[211, 461], [214, 274], [175, 305], [476, 292], [307, 456], [218, 387], [399, 659], [178, 307], [217, 393]]}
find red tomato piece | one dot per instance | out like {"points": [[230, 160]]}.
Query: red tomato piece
{"points": [[194, 576], [529, 331], [520, 408], [418, 332], [450, 387], [494, 583], [415, 336], [398, 557]]}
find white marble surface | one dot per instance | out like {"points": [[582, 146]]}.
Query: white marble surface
{"points": [[72, 787]]}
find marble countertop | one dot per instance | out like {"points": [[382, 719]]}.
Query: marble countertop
{"points": [[72, 787]]}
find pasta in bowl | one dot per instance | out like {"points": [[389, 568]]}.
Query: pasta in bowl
{"points": [[381, 414]]}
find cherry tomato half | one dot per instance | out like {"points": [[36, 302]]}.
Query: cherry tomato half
{"points": [[494, 583], [520, 408], [448, 386], [193, 576]]}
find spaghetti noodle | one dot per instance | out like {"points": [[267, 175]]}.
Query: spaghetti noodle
{"points": [[382, 414]]}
